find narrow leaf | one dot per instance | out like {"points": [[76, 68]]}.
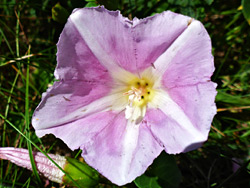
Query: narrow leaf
{"points": [[231, 99], [246, 9]]}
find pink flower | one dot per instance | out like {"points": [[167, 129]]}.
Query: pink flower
{"points": [[129, 89]]}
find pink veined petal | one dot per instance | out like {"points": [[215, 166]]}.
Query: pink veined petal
{"points": [[75, 59], [126, 150], [183, 119], [97, 35], [188, 60], [197, 102], [96, 42], [154, 35], [81, 131], [68, 101], [105, 41]]}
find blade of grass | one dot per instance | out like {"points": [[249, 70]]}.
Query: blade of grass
{"points": [[5, 39], [12, 88], [23, 77], [33, 164], [5, 115], [78, 153], [36, 146], [17, 34], [27, 182], [14, 179], [221, 65]]}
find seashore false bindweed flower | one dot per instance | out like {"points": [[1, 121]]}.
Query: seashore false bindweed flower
{"points": [[84, 175], [129, 89]]}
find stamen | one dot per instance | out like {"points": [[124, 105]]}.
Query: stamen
{"points": [[135, 93], [138, 98]]}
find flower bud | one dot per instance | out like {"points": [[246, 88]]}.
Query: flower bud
{"points": [[84, 175], [45, 167]]}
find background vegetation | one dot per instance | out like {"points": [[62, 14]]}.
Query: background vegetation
{"points": [[28, 37]]}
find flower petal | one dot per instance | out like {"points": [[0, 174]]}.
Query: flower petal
{"points": [[81, 131], [75, 59], [184, 117], [106, 40], [126, 149], [68, 101], [188, 60], [153, 36], [97, 48]]}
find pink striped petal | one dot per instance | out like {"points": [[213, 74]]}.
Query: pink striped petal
{"points": [[180, 123], [153, 35], [66, 101], [79, 132], [122, 151], [190, 59]]}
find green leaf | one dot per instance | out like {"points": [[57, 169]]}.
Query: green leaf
{"points": [[147, 182], [167, 171], [164, 172], [91, 4], [59, 14], [209, 2], [231, 99], [246, 9]]}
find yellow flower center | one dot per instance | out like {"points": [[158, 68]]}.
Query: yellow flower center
{"points": [[139, 93]]}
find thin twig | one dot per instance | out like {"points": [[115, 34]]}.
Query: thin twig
{"points": [[20, 58], [21, 26], [233, 108], [217, 130]]}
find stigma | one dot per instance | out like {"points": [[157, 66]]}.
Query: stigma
{"points": [[138, 94]]}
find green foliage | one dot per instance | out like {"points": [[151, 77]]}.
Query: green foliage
{"points": [[147, 182], [83, 174], [163, 172], [59, 13], [232, 99], [167, 171], [246, 10], [91, 3]]}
